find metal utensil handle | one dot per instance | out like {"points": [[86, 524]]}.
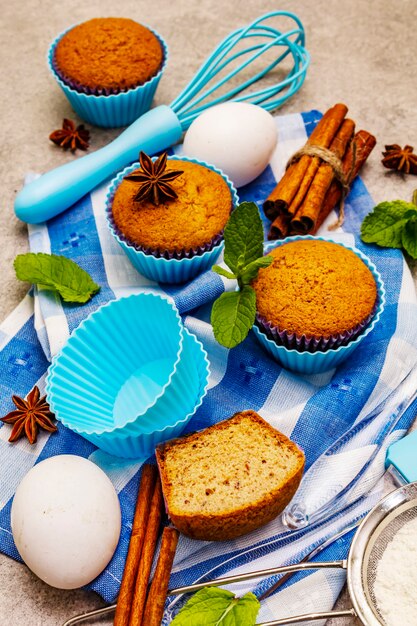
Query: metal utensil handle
{"points": [[289, 620], [309, 617], [227, 580], [314, 552], [106, 610]]}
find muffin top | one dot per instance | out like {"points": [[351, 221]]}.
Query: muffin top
{"points": [[198, 214], [315, 288], [108, 53]]}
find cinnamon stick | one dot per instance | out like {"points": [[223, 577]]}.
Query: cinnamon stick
{"points": [[154, 609], [147, 556], [280, 227], [302, 190], [361, 147], [281, 197], [307, 215], [146, 489]]}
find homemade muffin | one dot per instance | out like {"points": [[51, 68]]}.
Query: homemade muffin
{"points": [[315, 288], [192, 221], [107, 55], [230, 478]]}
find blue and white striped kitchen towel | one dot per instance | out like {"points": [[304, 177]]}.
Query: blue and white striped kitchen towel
{"points": [[344, 419]]}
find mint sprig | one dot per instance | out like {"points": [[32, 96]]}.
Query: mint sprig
{"points": [[243, 237], [233, 314], [392, 225], [218, 607], [52, 271]]}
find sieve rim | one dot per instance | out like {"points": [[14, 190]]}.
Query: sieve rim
{"points": [[360, 543]]}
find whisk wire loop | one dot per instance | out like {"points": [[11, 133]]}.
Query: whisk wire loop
{"points": [[258, 51], [195, 97]]}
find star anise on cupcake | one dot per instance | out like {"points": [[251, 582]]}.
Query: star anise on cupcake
{"points": [[71, 136], [29, 415], [154, 179]]}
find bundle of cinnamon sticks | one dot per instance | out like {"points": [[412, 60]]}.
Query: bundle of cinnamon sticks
{"points": [[138, 605], [319, 177]]}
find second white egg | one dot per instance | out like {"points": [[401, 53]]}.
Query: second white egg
{"points": [[237, 137], [66, 520]]}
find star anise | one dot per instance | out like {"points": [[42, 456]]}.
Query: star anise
{"points": [[70, 136], [29, 415], [401, 159], [154, 179]]}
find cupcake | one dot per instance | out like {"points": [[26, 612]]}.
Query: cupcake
{"points": [[169, 215], [317, 297], [109, 69]]}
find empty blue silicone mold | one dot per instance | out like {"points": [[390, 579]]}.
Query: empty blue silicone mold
{"points": [[129, 377]]}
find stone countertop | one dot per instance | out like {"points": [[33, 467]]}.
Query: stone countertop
{"points": [[362, 54]]}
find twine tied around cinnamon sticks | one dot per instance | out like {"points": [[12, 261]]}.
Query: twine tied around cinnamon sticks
{"points": [[336, 164], [325, 155], [318, 176]]}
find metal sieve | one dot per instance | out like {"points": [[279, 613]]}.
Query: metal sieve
{"points": [[374, 534], [369, 543]]}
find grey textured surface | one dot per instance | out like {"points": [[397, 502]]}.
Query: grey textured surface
{"points": [[362, 54]]}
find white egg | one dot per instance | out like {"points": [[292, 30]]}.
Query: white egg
{"points": [[66, 520], [236, 137]]}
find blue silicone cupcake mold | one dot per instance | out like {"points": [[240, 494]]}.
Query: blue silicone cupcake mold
{"points": [[118, 363], [113, 110], [158, 267], [129, 377], [303, 361], [142, 445], [160, 423]]}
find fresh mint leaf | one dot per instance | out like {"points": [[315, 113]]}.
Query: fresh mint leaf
{"points": [[409, 237], [243, 237], [222, 271], [58, 273], [212, 606], [251, 271], [384, 226], [233, 315]]}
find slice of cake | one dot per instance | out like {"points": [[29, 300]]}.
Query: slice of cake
{"points": [[230, 478]]}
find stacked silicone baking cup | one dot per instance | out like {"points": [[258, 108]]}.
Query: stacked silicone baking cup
{"points": [[104, 108], [164, 266], [309, 354], [129, 377]]}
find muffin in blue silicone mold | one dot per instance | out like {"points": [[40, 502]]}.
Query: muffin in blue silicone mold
{"points": [[316, 302], [109, 69], [172, 238]]}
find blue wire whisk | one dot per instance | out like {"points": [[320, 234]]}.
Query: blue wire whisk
{"points": [[260, 38], [259, 44]]}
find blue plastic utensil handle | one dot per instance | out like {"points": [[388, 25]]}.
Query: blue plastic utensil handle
{"points": [[402, 456], [57, 190]]}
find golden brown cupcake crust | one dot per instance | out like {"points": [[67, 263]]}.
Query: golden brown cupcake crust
{"points": [[315, 288], [110, 53], [198, 214]]}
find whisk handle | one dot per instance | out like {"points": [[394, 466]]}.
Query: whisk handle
{"points": [[58, 189]]}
